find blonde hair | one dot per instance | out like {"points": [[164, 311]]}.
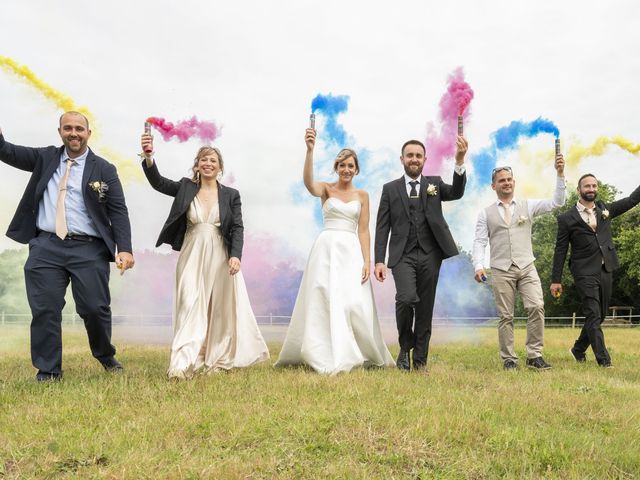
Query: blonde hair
{"points": [[343, 155], [203, 152]]}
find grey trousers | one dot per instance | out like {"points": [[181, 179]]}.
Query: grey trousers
{"points": [[505, 285]]}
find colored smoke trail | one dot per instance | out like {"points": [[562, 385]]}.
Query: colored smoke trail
{"points": [[506, 138], [577, 152], [128, 169], [63, 101], [186, 129], [330, 107], [442, 144]]}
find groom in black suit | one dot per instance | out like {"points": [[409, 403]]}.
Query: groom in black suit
{"points": [[587, 228], [411, 211], [73, 216]]}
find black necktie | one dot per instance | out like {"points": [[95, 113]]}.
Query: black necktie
{"points": [[413, 193]]}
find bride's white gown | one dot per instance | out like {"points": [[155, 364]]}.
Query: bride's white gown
{"points": [[334, 326]]}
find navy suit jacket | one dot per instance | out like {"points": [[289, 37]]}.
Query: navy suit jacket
{"points": [[589, 248], [110, 216], [393, 216], [184, 191]]}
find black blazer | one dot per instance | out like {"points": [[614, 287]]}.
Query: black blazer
{"points": [[393, 216], [184, 192], [110, 216], [589, 248]]}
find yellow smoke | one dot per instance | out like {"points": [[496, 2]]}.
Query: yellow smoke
{"points": [[577, 151], [534, 171], [128, 169], [65, 102]]}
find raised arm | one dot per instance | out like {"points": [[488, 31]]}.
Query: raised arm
{"points": [[317, 189], [23, 158], [364, 236], [455, 191], [157, 181]]}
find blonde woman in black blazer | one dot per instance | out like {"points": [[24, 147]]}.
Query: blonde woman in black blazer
{"points": [[214, 326]]}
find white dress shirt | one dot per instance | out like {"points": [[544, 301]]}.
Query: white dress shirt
{"points": [[459, 169]]}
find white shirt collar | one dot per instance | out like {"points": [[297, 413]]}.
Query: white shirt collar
{"points": [[499, 202], [408, 179], [80, 159]]}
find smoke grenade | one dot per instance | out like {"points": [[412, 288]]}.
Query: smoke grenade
{"points": [[147, 131]]}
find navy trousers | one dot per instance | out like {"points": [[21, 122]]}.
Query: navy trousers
{"points": [[51, 265]]}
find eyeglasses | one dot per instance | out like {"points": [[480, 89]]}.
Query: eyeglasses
{"points": [[499, 169]]}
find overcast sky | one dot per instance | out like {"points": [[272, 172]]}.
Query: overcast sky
{"points": [[253, 67]]}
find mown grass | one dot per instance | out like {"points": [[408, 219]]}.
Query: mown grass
{"points": [[467, 419]]}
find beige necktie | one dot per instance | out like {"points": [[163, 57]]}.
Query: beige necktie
{"points": [[507, 213], [61, 221], [591, 217]]}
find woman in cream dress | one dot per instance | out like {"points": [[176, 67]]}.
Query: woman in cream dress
{"points": [[214, 326]]}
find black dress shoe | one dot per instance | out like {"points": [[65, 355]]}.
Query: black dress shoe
{"points": [[510, 365], [420, 367], [48, 376], [403, 362], [580, 357], [537, 363], [112, 365]]}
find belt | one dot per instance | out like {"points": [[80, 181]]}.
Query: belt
{"points": [[70, 236]]}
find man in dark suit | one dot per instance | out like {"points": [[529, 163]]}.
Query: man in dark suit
{"points": [[73, 216], [411, 211], [587, 228]]}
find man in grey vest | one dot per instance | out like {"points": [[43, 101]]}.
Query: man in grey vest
{"points": [[506, 226]]}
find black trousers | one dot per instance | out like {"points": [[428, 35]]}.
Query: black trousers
{"points": [[595, 293], [416, 279], [51, 265]]}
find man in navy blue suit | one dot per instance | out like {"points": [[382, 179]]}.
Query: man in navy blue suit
{"points": [[74, 217]]}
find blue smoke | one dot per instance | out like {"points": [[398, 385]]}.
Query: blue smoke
{"points": [[330, 107], [506, 138]]}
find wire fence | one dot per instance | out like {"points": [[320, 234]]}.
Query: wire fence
{"points": [[145, 319]]}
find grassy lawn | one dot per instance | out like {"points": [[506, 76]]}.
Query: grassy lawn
{"points": [[467, 419]]}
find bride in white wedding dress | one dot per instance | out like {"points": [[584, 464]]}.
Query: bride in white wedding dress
{"points": [[334, 326]]}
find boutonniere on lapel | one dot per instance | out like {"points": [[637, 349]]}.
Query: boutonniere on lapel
{"points": [[101, 188], [605, 214], [522, 219], [432, 189]]}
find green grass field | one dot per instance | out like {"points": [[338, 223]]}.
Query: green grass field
{"points": [[467, 419]]}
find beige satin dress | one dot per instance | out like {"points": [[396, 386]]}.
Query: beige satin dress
{"points": [[214, 326]]}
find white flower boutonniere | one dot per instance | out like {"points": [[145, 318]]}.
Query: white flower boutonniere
{"points": [[522, 219], [432, 189], [101, 188], [605, 213]]}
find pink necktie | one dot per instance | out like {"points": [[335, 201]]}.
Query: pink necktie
{"points": [[61, 221], [592, 218], [507, 213]]}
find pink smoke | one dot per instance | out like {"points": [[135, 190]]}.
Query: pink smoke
{"points": [[185, 129], [272, 278], [442, 144]]}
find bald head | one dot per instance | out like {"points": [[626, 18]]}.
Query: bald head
{"points": [[74, 132], [66, 115]]}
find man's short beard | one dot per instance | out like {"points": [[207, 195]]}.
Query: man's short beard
{"points": [[585, 196], [409, 173]]}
